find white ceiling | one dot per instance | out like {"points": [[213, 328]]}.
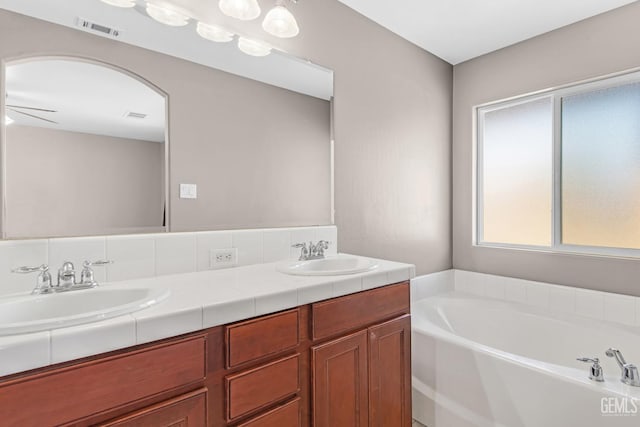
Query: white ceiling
{"points": [[87, 98], [458, 30]]}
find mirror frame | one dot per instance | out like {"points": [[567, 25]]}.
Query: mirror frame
{"points": [[4, 62]]}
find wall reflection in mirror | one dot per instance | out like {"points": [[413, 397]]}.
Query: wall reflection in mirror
{"points": [[85, 150]]}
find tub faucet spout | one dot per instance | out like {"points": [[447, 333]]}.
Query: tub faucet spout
{"points": [[629, 370]]}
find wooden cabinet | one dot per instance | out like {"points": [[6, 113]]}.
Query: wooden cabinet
{"points": [[339, 362], [189, 410], [364, 378]]}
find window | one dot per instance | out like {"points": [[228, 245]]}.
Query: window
{"points": [[561, 170]]}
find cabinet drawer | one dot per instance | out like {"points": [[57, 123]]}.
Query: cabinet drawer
{"points": [[263, 386], [88, 388], [257, 338], [351, 312], [189, 410], [287, 415]]}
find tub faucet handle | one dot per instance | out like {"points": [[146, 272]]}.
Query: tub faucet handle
{"points": [[629, 370], [595, 372]]}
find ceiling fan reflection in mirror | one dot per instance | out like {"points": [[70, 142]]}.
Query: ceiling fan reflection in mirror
{"points": [[19, 109]]}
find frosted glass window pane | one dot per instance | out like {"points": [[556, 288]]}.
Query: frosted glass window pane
{"points": [[517, 157], [601, 168]]}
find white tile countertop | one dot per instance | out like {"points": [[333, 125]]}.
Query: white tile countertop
{"points": [[197, 301]]}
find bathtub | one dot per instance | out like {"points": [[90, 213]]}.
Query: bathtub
{"points": [[483, 362]]}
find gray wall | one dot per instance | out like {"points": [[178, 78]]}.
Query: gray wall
{"points": [[392, 123], [604, 44], [62, 183], [393, 136]]}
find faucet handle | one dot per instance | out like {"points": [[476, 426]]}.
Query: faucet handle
{"points": [[304, 251], [26, 269], [322, 246], [98, 263], [44, 282], [595, 372], [86, 276]]}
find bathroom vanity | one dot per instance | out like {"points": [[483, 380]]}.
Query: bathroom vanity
{"points": [[341, 361]]}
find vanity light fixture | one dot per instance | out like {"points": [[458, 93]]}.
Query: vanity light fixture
{"points": [[253, 47], [280, 22], [166, 15], [120, 3], [8, 120], [245, 10], [214, 33]]}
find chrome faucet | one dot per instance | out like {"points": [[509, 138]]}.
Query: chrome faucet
{"points": [[312, 251], [629, 371], [595, 373], [66, 277]]}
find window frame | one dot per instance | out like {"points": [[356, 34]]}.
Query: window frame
{"points": [[555, 95]]}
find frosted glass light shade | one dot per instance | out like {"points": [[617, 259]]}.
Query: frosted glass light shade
{"points": [[253, 47], [280, 23], [214, 33], [8, 120], [120, 3], [245, 10], [167, 16]]}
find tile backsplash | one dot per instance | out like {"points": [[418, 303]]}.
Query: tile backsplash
{"points": [[148, 255]]}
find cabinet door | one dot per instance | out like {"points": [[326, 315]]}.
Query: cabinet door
{"points": [[390, 373], [340, 380], [189, 410]]}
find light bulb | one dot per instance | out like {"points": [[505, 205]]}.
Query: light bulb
{"points": [[280, 22], [8, 120], [167, 16], [245, 10], [213, 33], [253, 47], [120, 3]]}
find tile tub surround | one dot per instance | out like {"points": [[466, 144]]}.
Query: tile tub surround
{"points": [[610, 307], [149, 255], [198, 300]]}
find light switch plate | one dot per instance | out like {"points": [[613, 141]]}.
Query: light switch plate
{"points": [[188, 191]]}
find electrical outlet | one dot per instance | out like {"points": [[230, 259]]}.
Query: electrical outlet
{"points": [[223, 258]]}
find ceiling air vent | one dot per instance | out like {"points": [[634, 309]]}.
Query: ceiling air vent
{"points": [[97, 28], [132, 115]]}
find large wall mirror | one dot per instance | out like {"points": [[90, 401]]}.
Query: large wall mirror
{"points": [[101, 146], [85, 150]]}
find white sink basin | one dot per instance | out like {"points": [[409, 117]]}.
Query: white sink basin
{"points": [[329, 266], [38, 313]]}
